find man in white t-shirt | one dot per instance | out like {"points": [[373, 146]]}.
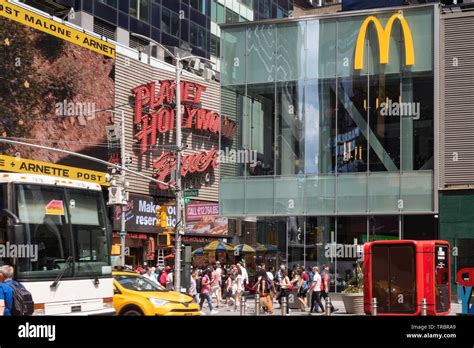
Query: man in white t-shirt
{"points": [[245, 275], [315, 290]]}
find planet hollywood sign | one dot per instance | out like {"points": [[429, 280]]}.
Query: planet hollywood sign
{"points": [[155, 114]]}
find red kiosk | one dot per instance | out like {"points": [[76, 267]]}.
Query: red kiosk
{"points": [[400, 274]]}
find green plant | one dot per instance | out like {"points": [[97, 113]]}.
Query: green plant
{"points": [[356, 284]]}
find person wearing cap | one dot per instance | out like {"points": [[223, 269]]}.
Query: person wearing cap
{"points": [[325, 286]]}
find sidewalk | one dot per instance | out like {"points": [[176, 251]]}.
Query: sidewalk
{"points": [[337, 303]]}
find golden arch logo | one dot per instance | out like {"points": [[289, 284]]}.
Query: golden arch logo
{"points": [[383, 35]]}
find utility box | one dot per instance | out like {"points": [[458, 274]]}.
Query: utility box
{"points": [[399, 274]]}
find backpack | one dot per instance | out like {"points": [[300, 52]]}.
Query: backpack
{"points": [[268, 285], [23, 303], [198, 285], [304, 285]]}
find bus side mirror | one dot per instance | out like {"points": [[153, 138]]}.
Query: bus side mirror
{"points": [[16, 233]]}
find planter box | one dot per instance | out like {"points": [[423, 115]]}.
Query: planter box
{"points": [[354, 303]]}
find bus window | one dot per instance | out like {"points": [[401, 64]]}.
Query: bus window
{"points": [[42, 211], [88, 221]]}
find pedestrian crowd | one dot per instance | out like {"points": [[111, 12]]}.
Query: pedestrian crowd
{"points": [[223, 286]]}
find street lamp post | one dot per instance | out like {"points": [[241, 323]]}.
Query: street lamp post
{"points": [[178, 187]]}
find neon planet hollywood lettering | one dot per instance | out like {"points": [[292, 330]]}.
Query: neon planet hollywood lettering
{"points": [[154, 113], [196, 163]]}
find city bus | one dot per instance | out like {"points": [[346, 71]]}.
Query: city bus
{"points": [[55, 233]]}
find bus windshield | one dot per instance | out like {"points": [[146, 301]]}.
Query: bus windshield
{"points": [[63, 222]]}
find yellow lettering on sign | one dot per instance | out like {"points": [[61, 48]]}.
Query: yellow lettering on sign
{"points": [[383, 35], [57, 29], [12, 164]]}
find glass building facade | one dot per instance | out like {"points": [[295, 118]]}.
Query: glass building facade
{"points": [[342, 124]]}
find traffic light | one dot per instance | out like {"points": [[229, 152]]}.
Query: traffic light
{"points": [[164, 239], [162, 216]]}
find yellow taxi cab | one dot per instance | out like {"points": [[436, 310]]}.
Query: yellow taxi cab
{"points": [[135, 295]]}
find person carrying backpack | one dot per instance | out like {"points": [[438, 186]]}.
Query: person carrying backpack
{"points": [[15, 300]]}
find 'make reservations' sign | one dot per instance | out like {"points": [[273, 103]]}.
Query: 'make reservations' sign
{"points": [[140, 215]]}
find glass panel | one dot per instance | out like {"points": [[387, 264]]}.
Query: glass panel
{"points": [[272, 234], [290, 57], [289, 193], [320, 194], [417, 131], [290, 131], [233, 56], [174, 24], [347, 33], [351, 231], [259, 196], [352, 193], [384, 192], [165, 20], [318, 246], [352, 125], [320, 126], [383, 228], [321, 49], [261, 49], [144, 10], [417, 191], [259, 127], [133, 10], [231, 196], [385, 112], [295, 232]]}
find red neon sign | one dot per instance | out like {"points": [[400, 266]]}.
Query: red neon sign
{"points": [[196, 163], [155, 115]]}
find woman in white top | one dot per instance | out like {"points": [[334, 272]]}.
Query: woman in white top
{"points": [[285, 286]]}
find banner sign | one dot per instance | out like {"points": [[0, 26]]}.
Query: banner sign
{"points": [[12, 164], [203, 219], [55, 28], [141, 215]]}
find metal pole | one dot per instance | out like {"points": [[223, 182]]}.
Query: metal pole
{"points": [[123, 232], [328, 305], [374, 306], [179, 191], [424, 307], [284, 305], [257, 304], [243, 305]]}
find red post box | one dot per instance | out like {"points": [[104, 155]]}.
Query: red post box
{"points": [[399, 274]]}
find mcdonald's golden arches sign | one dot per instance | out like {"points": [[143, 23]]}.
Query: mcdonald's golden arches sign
{"points": [[383, 36]]}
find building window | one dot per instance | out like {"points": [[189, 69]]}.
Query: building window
{"points": [[139, 9], [198, 36], [248, 3], [217, 12], [104, 29], [169, 22], [199, 5], [215, 46], [231, 16], [112, 3]]}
